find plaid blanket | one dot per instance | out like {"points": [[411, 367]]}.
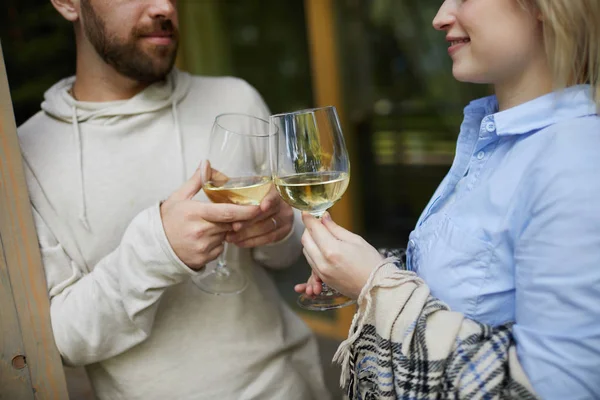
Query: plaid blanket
{"points": [[405, 344]]}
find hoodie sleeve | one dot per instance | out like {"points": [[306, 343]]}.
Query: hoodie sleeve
{"points": [[104, 313]]}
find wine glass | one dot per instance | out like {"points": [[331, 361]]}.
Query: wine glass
{"points": [[311, 172], [240, 174]]}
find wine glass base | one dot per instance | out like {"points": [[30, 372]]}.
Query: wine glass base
{"points": [[219, 284], [324, 301]]}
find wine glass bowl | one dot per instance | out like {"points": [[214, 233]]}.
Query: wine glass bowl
{"points": [[313, 192], [240, 173], [311, 172]]}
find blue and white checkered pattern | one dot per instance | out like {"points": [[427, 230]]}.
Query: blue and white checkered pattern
{"points": [[418, 349]]}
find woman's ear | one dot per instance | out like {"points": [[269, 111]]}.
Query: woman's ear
{"points": [[69, 9]]}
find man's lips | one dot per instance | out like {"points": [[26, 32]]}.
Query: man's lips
{"points": [[159, 38]]}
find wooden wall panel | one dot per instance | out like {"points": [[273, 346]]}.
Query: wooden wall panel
{"points": [[22, 280]]}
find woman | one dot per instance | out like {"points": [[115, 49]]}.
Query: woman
{"points": [[510, 240]]}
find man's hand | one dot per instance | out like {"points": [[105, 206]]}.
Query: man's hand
{"points": [[196, 230], [274, 223]]}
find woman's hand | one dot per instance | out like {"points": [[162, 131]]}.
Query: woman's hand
{"points": [[312, 287], [337, 256]]}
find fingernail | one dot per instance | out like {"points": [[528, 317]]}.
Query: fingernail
{"points": [[327, 216]]}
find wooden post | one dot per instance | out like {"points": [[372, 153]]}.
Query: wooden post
{"points": [[30, 366], [327, 89]]}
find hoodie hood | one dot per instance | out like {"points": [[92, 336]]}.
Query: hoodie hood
{"points": [[59, 104]]}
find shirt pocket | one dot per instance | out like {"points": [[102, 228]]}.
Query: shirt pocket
{"points": [[455, 263]]}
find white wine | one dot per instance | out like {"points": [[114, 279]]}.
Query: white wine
{"points": [[246, 191], [314, 192]]}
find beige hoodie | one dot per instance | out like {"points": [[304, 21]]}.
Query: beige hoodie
{"points": [[122, 303]]}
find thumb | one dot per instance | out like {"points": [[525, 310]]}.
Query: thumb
{"points": [[193, 185], [337, 231]]}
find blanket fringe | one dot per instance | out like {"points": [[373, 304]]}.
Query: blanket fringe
{"points": [[365, 305]]}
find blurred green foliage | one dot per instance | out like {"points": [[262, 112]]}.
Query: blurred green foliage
{"points": [[261, 41]]}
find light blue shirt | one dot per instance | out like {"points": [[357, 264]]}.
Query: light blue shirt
{"points": [[519, 238]]}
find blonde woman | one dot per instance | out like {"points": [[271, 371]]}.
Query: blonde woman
{"points": [[510, 241]]}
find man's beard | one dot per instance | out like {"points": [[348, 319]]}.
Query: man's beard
{"points": [[126, 56]]}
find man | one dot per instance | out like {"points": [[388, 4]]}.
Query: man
{"points": [[109, 144]]}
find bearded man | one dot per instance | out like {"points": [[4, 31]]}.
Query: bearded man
{"points": [[112, 167]]}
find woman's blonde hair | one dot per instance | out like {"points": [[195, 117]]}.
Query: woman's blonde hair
{"points": [[572, 40]]}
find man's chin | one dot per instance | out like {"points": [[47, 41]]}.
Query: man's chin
{"points": [[153, 49], [161, 64], [146, 72]]}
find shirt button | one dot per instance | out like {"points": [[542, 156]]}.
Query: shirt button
{"points": [[490, 127], [411, 243], [480, 155]]}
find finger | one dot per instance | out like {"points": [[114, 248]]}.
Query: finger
{"points": [[313, 254], [213, 228], [215, 252], [193, 185], [337, 231], [214, 175], [271, 237], [319, 234], [309, 290], [313, 285], [271, 201], [205, 170], [314, 280], [224, 213], [317, 284], [238, 226], [261, 226], [300, 288]]}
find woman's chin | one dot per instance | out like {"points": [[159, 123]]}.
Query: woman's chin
{"points": [[467, 75]]}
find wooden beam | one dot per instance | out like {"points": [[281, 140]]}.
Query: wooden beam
{"points": [[327, 89], [22, 274], [14, 380]]}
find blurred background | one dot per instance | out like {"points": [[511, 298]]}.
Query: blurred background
{"points": [[378, 61]]}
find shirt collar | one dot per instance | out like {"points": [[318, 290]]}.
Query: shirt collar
{"points": [[573, 102]]}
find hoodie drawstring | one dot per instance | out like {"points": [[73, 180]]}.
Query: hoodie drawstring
{"points": [[179, 141], [79, 149], [59, 103]]}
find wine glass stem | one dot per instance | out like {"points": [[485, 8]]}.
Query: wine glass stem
{"points": [[324, 288], [222, 270], [318, 215]]}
